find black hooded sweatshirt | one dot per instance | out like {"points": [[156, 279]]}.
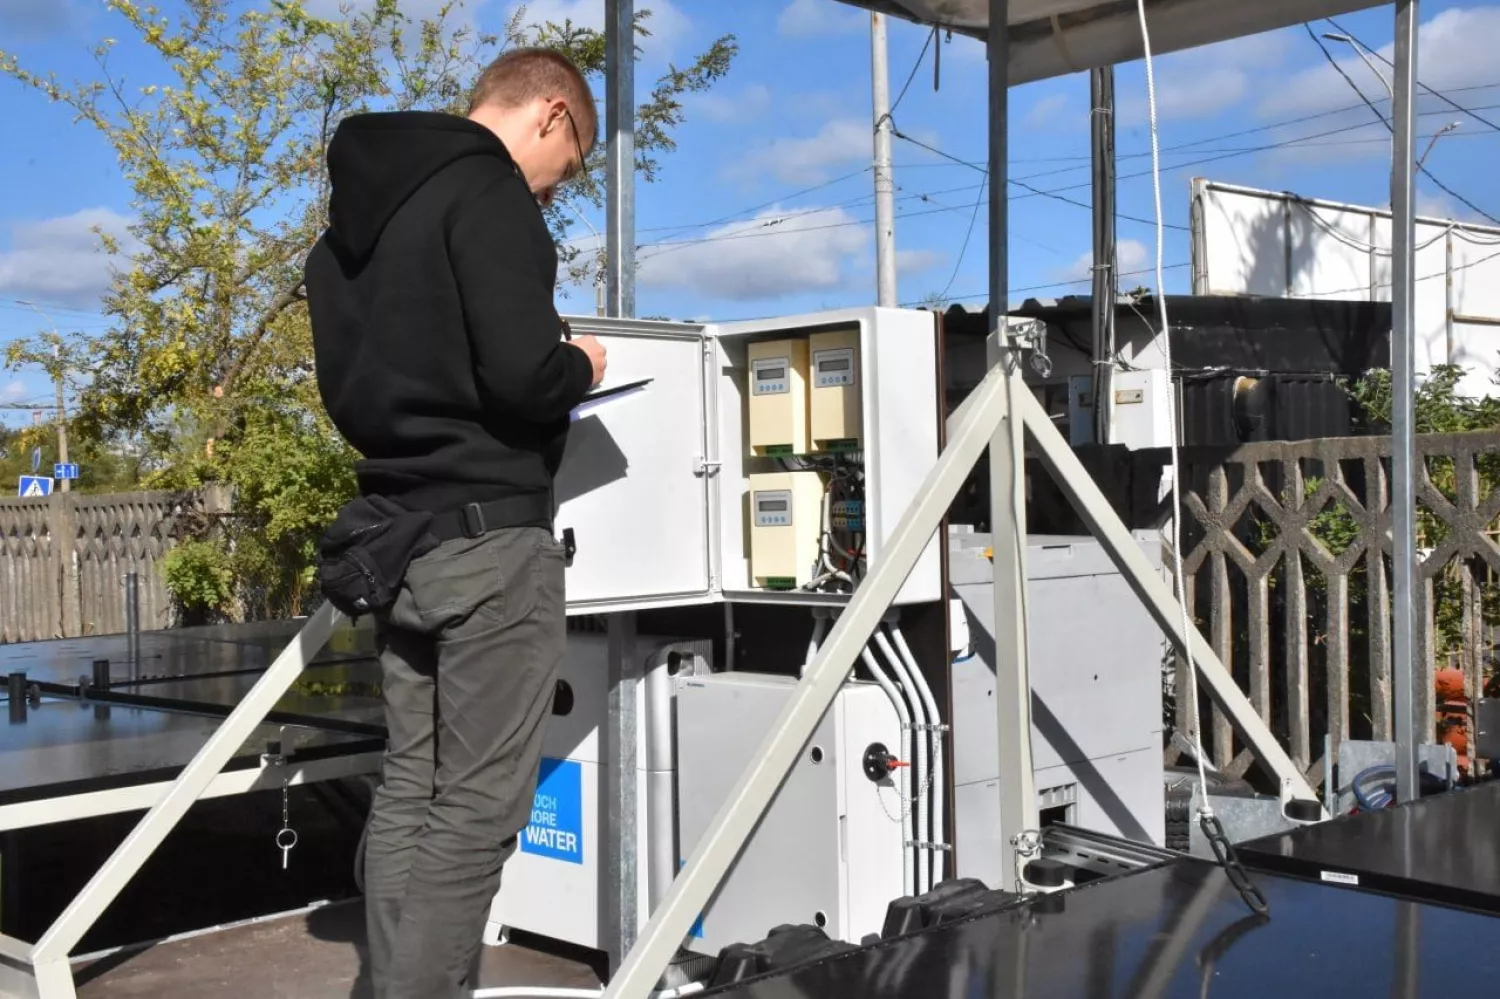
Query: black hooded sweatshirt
{"points": [[439, 352]]}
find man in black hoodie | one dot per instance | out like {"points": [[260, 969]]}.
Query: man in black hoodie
{"points": [[442, 360]]}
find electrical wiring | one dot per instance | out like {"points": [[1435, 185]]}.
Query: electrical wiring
{"points": [[1210, 824], [1391, 128], [1431, 90]]}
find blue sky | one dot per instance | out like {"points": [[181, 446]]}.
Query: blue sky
{"points": [[766, 206]]}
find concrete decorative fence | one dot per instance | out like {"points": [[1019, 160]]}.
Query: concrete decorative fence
{"points": [[1287, 553], [63, 560]]}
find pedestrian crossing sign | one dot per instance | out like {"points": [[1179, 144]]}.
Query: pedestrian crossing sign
{"points": [[34, 485]]}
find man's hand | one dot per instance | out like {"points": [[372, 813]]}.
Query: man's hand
{"points": [[595, 351]]}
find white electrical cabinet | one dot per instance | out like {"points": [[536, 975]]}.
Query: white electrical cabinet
{"points": [[554, 882], [828, 851], [656, 484]]}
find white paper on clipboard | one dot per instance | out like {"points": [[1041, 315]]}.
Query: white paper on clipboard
{"points": [[599, 398]]}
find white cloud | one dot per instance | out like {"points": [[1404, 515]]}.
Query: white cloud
{"points": [[1455, 49], [820, 18], [13, 391], [60, 260], [771, 256], [917, 261], [666, 26], [1130, 255], [810, 159], [747, 105], [1201, 83], [1045, 113]]}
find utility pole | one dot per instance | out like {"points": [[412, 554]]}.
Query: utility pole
{"points": [[1102, 97], [62, 413], [885, 187]]}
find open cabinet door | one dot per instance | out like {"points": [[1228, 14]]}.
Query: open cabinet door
{"points": [[633, 486]]}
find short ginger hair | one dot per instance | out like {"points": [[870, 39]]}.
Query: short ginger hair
{"points": [[522, 75]]}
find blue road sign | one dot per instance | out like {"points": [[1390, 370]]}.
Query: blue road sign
{"points": [[68, 471], [34, 485], [36, 460]]}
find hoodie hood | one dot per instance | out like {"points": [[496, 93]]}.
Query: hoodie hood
{"points": [[377, 161]]}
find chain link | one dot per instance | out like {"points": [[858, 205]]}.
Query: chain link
{"points": [[1228, 859]]}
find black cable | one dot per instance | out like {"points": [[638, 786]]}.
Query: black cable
{"points": [[973, 217], [1054, 195], [1390, 127], [913, 75], [1434, 92]]}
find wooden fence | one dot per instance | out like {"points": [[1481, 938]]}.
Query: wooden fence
{"points": [[63, 560]]}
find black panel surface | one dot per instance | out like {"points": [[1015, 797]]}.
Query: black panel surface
{"points": [[63, 746], [1174, 932], [1441, 849]]}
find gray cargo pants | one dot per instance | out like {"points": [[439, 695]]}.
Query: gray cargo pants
{"points": [[470, 653]]}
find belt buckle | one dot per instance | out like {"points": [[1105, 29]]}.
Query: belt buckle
{"points": [[472, 519]]}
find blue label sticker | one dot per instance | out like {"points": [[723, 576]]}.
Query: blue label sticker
{"points": [[697, 931], [556, 827]]}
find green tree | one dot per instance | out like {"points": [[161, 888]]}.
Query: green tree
{"points": [[207, 371]]}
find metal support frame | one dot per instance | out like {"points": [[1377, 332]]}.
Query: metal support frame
{"points": [[1403, 376], [1018, 809], [46, 963], [984, 416], [620, 906]]}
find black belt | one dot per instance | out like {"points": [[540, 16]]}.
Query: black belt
{"points": [[475, 519]]}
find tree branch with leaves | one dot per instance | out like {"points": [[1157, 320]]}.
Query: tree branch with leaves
{"points": [[207, 368]]}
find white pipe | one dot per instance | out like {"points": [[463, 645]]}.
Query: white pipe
{"points": [[903, 775], [934, 718], [919, 764], [820, 628]]}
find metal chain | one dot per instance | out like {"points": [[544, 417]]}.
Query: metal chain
{"points": [[1229, 860]]}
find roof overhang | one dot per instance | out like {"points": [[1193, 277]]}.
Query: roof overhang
{"points": [[1051, 38]]}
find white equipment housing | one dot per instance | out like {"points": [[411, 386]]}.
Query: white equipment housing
{"points": [[553, 883], [828, 851], [655, 484], [1096, 697]]}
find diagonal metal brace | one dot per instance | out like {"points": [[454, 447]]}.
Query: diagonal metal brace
{"points": [[757, 786], [1074, 480], [49, 958]]}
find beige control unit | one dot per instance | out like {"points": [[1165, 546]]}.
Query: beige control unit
{"points": [[785, 522], [778, 397], [833, 398]]}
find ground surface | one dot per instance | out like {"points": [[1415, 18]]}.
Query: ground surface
{"points": [[317, 955]]}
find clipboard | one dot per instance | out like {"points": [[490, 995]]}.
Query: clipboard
{"points": [[599, 398]]}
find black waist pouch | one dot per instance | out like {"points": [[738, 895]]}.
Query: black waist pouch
{"points": [[363, 556]]}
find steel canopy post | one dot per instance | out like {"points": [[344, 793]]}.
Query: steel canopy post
{"points": [[621, 885], [1406, 674], [619, 176], [1018, 811]]}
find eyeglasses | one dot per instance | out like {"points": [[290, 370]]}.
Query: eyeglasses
{"points": [[574, 171]]}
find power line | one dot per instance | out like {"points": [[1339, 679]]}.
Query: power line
{"points": [[912, 76], [1391, 128], [1436, 93], [1055, 195]]}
